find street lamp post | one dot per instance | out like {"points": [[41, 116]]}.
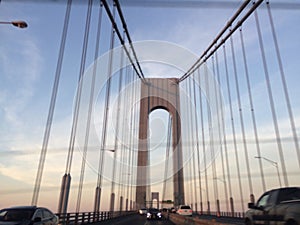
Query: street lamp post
{"points": [[18, 23], [273, 163]]}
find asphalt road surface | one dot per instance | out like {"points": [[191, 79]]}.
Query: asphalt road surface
{"points": [[135, 219]]}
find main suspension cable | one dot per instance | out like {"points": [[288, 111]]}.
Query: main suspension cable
{"points": [[115, 26], [205, 56], [128, 36]]}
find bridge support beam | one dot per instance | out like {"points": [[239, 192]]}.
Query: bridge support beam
{"points": [[64, 194], [159, 93], [112, 202]]}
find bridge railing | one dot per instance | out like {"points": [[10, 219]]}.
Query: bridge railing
{"points": [[88, 217], [224, 214]]}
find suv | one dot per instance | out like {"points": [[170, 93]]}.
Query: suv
{"points": [[278, 206], [185, 210]]}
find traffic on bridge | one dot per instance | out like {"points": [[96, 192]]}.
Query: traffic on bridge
{"points": [[149, 112]]}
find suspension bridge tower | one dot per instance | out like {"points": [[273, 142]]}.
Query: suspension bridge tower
{"points": [[159, 93]]}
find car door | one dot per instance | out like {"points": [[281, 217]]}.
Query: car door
{"points": [[265, 212], [49, 218], [37, 218]]}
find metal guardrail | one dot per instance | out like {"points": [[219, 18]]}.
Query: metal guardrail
{"points": [[225, 214], [88, 217]]}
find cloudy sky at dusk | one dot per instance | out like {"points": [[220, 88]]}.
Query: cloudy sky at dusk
{"points": [[28, 60]]}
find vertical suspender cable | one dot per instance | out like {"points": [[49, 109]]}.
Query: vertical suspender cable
{"points": [[225, 138], [203, 143], [112, 200], [191, 94], [219, 115], [197, 147], [121, 167], [167, 157], [214, 141], [252, 112], [190, 143], [275, 122], [233, 132], [86, 140], [127, 153], [132, 147], [135, 143], [285, 88], [66, 181], [105, 118], [241, 116], [211, 136], [123, 158], [78, 94], [188, 168], [52, 106], [130, 152]]}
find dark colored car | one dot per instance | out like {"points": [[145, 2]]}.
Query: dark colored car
{"points": [[27, 215], [278, 206], [154, 214]]}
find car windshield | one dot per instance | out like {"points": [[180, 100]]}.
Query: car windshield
{"points": [[185, 207], [153, 210], [16, 214]]}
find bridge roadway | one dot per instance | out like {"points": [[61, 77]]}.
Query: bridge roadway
{"points": [[134, 219], [137, 219]]}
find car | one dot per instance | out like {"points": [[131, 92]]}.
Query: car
{"points": [[27, 215], [164, 210], [143, 211], [172, 210], [154, 214], [184, 210], [277, 206]]}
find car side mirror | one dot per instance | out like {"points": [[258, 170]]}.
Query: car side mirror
{"points": [[37, 219], [251, 205]]}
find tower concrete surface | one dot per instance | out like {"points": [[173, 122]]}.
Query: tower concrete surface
{"points": [[159, 93]]}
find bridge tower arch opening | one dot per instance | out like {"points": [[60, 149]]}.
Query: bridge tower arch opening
{"points": [[159, 93]]}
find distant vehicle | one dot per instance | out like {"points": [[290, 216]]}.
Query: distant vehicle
{"points": [[143, 211], [164, 210], [172, 210], [184, 210], [27, 215], [154, 214], [278, 206]]}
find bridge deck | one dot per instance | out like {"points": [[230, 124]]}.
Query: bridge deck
{"points": [[141, 220]]}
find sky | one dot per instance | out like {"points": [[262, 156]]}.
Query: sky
{"points": [[28, 59]]}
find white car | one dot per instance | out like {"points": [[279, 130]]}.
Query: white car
{"points": [[184, 210], [143, 211]]}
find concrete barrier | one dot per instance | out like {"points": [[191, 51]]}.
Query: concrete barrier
{"points": [[185, 220]]}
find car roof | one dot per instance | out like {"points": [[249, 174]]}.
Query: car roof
{"points": [[22, 207], [283, 188]]}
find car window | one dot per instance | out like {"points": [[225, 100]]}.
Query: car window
{"points": [[185, 207], [289, 194], [47, 214], [15, 215], [262, 202], [38, 213], [272, 198]]}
